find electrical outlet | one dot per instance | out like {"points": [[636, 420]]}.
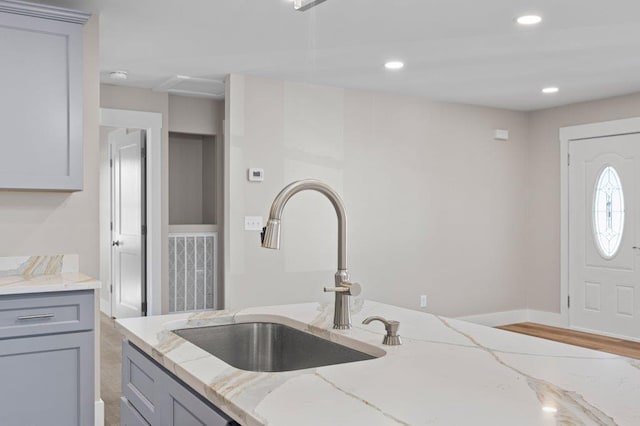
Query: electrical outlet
{"points": [[423, 300], [253, 223]]}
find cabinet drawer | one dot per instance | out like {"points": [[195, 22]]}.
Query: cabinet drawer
{"points": [[46, 313], [129, 416], [140, 382]]}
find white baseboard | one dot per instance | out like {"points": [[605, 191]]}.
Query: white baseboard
{"points": [[498, 318], [105, 307], [604, 333], [99, 413], [495, 319], [552, 319]]}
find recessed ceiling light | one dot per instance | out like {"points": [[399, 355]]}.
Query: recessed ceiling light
{"points": [[549, 409], [549, 90], [119, 75], [303, 5], [394, 65], [528, 19]]}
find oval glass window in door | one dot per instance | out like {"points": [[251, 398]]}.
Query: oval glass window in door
{"points": [[608, 212]]}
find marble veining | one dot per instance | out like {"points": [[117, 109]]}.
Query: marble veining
{"points": [[363, 401], [447, 372], [571, 406], [36, 274], [30, 266]]}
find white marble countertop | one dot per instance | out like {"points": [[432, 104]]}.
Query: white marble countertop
{"points": [[42, 274], [447, 372], [64, 281]]}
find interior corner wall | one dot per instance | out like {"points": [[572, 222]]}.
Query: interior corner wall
{"points": [[34, 222], [435, 204], [543, 187], [130, 98], [186, 165], [199, 116]]}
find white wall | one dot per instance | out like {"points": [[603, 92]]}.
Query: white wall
{"points": [[543, 186], [62, 222], [105, 214], [200, 116], [435, 205]]}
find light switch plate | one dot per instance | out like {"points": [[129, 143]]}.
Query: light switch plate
{"points": [[253, 223], [423, 300]]}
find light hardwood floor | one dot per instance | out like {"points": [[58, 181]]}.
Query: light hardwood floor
{"points": [[577, 338], [111, 366]]}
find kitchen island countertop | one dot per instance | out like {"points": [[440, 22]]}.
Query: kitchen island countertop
{"points": [[447, 372]]}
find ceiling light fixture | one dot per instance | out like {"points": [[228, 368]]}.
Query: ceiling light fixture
{"points": [[528, 19], [550, 90], [119, 75], [394, 65], [549, 409], [302, 5]]}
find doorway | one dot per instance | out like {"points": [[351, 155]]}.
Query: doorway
{"points": [[603, 215], [195, 189], [128, 222], [130, 213]]}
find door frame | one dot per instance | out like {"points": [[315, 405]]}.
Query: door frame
{"points": [[151, 122], [569, 134]]}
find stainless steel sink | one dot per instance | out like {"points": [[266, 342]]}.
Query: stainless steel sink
{"points": [[265, 346]]}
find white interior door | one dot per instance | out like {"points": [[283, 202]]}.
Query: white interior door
{"points": [[128, 246], [604, 282]]}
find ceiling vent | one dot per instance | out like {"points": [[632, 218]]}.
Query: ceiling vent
{"points": [[192, 86]]}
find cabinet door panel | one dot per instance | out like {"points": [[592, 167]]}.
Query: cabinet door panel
{"points": [[129, 416], [47, 380], [159, 397], [182, 407], [41, 103]]}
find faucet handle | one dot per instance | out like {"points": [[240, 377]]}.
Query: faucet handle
{"points": [[392, 338], [351, 289]]}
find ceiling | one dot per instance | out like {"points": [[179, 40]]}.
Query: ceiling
{"points": [[466, 51]]}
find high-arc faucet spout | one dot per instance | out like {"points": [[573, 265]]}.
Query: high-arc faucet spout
{"points": [[271, 239]]}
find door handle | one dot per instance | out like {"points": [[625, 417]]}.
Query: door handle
{"points": [[115, 243]]}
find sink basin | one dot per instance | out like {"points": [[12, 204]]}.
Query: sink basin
{"points": [[266, 346]]}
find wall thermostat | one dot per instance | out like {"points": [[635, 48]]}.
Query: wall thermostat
{"points": [[256, 175]]}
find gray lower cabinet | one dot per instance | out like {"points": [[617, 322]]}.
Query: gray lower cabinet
{"points": [[151, 395], [47, 378]]}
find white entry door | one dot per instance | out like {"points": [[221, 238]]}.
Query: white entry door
{"points": [[128, 245], [604, 213]]}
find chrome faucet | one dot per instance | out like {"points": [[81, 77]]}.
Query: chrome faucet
{"points": [[271, 239]]}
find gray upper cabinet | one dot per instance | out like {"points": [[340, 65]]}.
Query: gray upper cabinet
{"points": [[41, 97]]}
